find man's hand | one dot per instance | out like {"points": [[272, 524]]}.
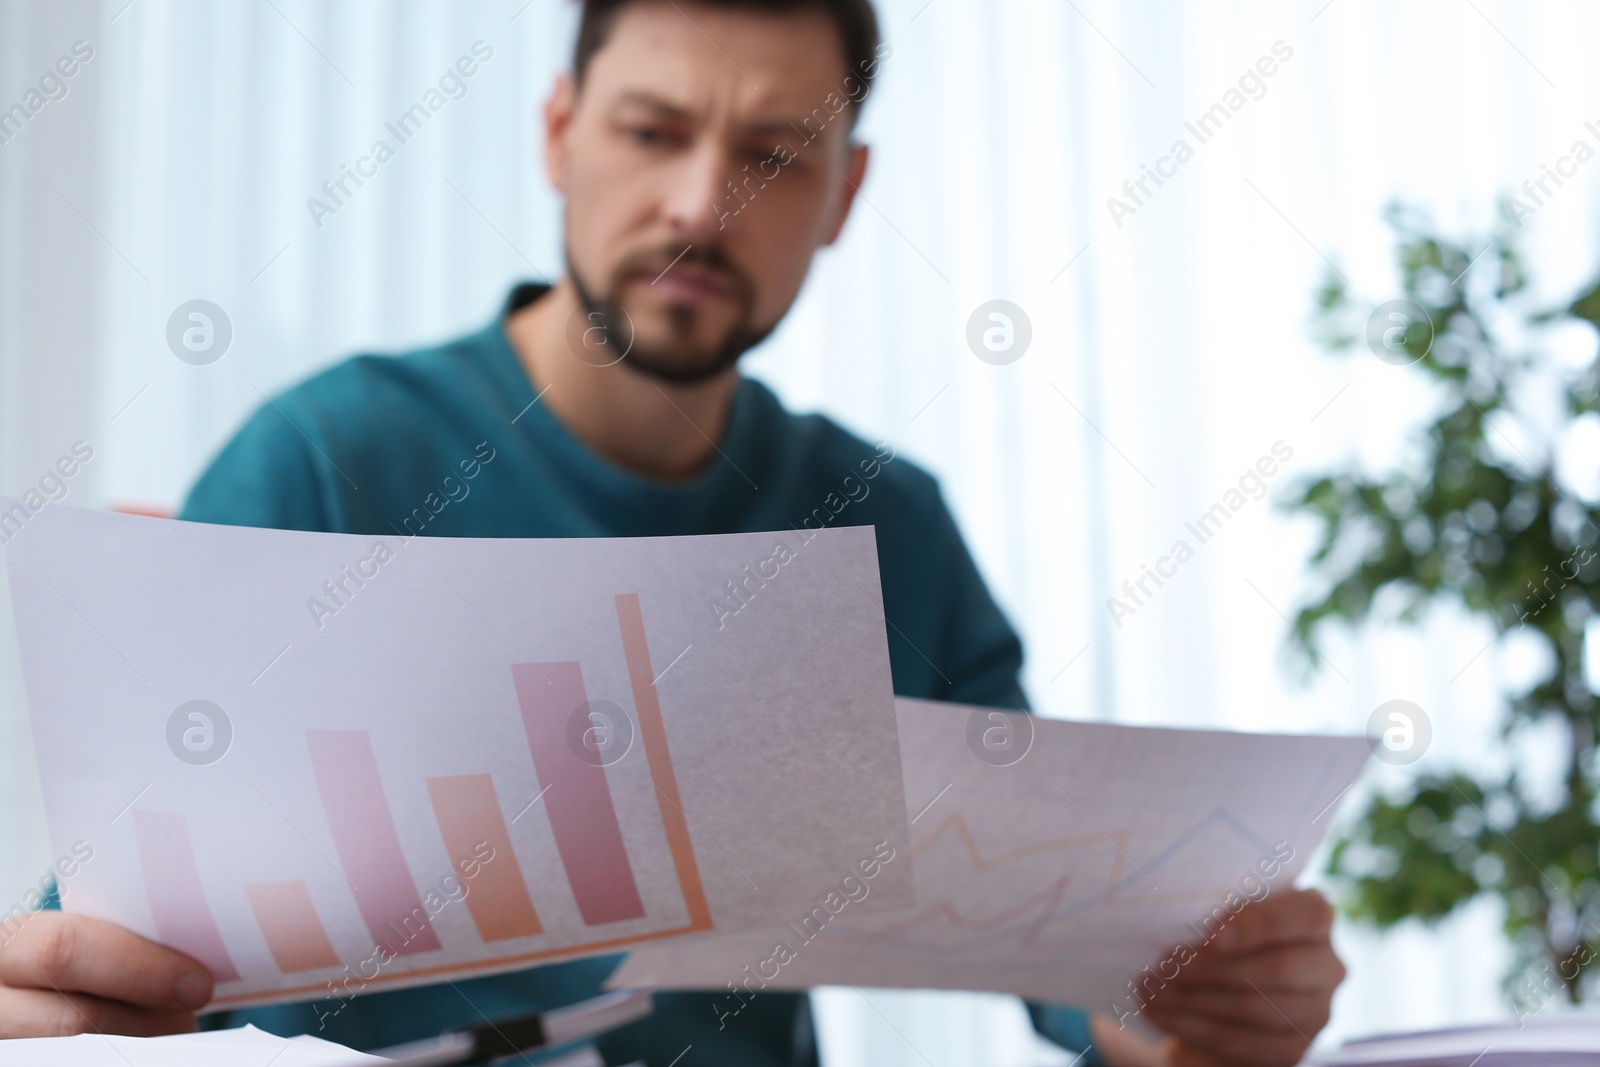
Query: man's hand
{"points": [[1254, 995], [69, 974]]}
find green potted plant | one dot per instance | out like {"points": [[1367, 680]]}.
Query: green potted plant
{"points": [[1477, 520]]}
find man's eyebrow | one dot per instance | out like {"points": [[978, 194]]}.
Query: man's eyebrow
{"points": [[767, 127], [664, 108], [637, 98]]}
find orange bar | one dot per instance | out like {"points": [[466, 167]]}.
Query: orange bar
{"points": [[469, 817], [653, 733], [289, 922]]}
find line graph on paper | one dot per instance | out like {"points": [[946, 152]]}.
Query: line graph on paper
{"points": [[1059, 876], [1073, 876], [1102, 839]]}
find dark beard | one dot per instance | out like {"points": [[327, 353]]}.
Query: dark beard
{"points": [[605, 314]]}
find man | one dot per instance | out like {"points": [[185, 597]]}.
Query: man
{"points": [[704, 150]]}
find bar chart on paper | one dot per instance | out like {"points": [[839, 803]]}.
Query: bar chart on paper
{"points": [[575, 806], [497, 753]]}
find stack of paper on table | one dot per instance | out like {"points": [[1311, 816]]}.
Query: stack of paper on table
{"points": [[1556, 1042]]}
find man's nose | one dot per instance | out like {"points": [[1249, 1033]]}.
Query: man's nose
{"points": [[699, 185]]}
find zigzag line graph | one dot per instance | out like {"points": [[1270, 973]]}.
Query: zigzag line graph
{"points": [[958, 824], [1025, 921], [1217, 815], [1044, 902]]}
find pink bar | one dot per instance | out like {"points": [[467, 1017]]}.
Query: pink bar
{"points": [[578, 801], [369, 847], [177, 902]]}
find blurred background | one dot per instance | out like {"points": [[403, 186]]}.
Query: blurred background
{"points": [[1171, 341]]}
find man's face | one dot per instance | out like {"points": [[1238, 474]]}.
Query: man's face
{"points": [[685, 270]]}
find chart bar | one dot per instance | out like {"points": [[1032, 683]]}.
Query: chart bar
{"points": [[177, 901], [364, 835], [475, 835], [578, 798], [289, 923], [653, 733]]}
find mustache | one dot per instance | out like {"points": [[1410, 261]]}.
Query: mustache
{"points": [[670, 367], [652, 264]]}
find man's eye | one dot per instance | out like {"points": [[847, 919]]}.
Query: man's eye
{"points": [[648, 136]]}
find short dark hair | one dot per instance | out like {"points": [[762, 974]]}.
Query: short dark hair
{"points": [[855, 20]]}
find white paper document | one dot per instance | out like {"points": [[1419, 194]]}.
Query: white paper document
{"points": [[1053, 860], [325, 764], [243, 1047], [1558, 1041]]}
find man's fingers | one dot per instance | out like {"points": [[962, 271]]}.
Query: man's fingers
{"points": [[1283, 918], [1289, 968], [1185, 1054], [1257, 992], [55, 951], [1279, 1010], [46, 1013], [1208, 1041], [1188, 1056]]}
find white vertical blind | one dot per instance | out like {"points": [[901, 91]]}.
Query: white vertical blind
{"points": [[1168, 352]]}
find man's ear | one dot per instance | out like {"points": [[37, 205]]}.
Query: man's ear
{"points": [[855, 174], [558, 114]]}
